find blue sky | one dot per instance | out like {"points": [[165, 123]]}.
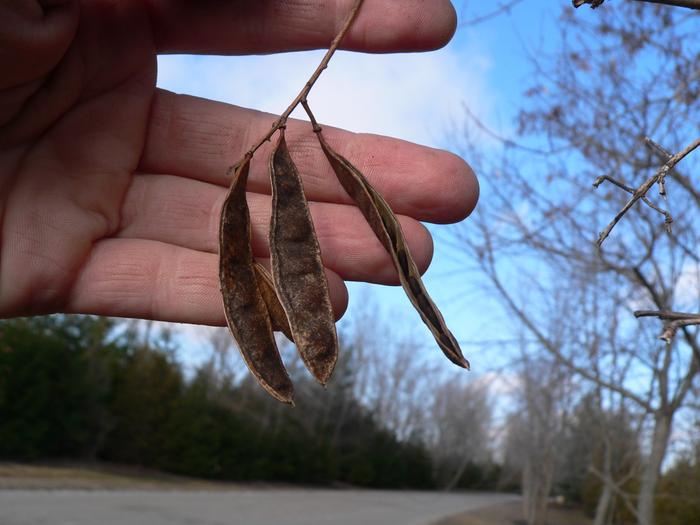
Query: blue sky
{"points": [[416, 97]]}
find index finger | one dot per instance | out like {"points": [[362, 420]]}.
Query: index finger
{"points": [[267, 26]]}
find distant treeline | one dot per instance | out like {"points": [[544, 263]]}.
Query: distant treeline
{"points": [[77, 387], [88, 388]]}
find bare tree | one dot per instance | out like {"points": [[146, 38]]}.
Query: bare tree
{"points": [[601, 451], [459, 428], [536, 430], [632, 73]]}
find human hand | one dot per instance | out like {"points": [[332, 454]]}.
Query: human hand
{"points": [[110, 189]]}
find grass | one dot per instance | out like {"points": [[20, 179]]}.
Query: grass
{"points": [[96, 477]]}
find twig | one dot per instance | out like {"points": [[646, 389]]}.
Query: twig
{"points": [[665, 155], [312, 117], [642, 190], [673, 321], [665, 315], [503, 8], [503, 140], [689, 4], [282, 120], [668, 220], [593, 3]]}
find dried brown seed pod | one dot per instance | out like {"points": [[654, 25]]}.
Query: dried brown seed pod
{"points": [[296, 299], [279, 320], [246, 312], [297, 268], [386, 227]]}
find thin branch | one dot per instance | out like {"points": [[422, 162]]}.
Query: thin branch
{"points": [[499, 10], [665, 315], [689, 4], [503, 140], [665, 155], [282, 120], [668, 219], [642, 190], [674, 321], [554, 349]]}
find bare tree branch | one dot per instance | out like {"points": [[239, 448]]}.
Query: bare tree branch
{"points": [[674, 321], [556, 352], [644, 188], [506, 142], [684, 181], [668, 219], [499, 10], [689, 4]]}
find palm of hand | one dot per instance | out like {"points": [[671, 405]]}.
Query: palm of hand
{"points": [[110, 189]]}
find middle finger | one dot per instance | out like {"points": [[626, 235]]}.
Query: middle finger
{"points": [[185, 212]]}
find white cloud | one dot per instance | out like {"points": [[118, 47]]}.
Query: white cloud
{"points": [[412, 96]]}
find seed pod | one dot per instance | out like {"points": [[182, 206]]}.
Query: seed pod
{"points": [[246, 312], [386, 227], [274, 307], [297, 268]]}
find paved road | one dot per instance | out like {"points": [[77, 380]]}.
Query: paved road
{"points": [[244, 507]]}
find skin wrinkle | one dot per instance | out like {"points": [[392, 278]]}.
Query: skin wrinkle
{"points": [[244, 137], [39, 40], [363, 32], [92, 199], [171, 213], [116, 284], [28, 9], [193, 128], [264, 26], [110, 215], [198, 288], [214, 221], [14, 99], [304, 13], [28, 240], [95, 43], [136, 200], [10, 164], [160, 119], [184, 212], [59, 92], [160, 292]]}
